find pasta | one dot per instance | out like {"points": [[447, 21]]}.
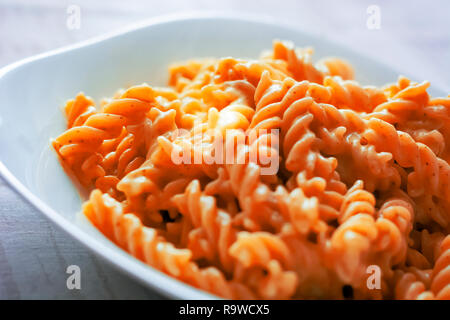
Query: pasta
{"points": [[276, 178]]}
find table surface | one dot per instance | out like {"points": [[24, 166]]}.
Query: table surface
{"points": [[413, 36]]}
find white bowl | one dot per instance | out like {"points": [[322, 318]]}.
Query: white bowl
{"points": [[33, 91]]}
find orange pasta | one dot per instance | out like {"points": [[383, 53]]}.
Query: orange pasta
{"points": [[276, 178]]}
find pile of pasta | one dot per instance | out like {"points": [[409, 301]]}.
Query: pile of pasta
{"points": [[363, 179]]}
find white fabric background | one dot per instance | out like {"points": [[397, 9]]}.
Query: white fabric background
{"points": [[414, 37]]}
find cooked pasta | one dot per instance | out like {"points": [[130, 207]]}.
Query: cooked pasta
{"points": [[276, 178]]}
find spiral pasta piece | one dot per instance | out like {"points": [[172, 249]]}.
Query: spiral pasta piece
{"points": [[440, 284], [351, 244]]}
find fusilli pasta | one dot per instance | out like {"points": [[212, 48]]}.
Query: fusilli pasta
{"points": [[276, 178]]}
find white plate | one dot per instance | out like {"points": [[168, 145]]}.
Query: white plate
{"points": [[33, 91]]}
